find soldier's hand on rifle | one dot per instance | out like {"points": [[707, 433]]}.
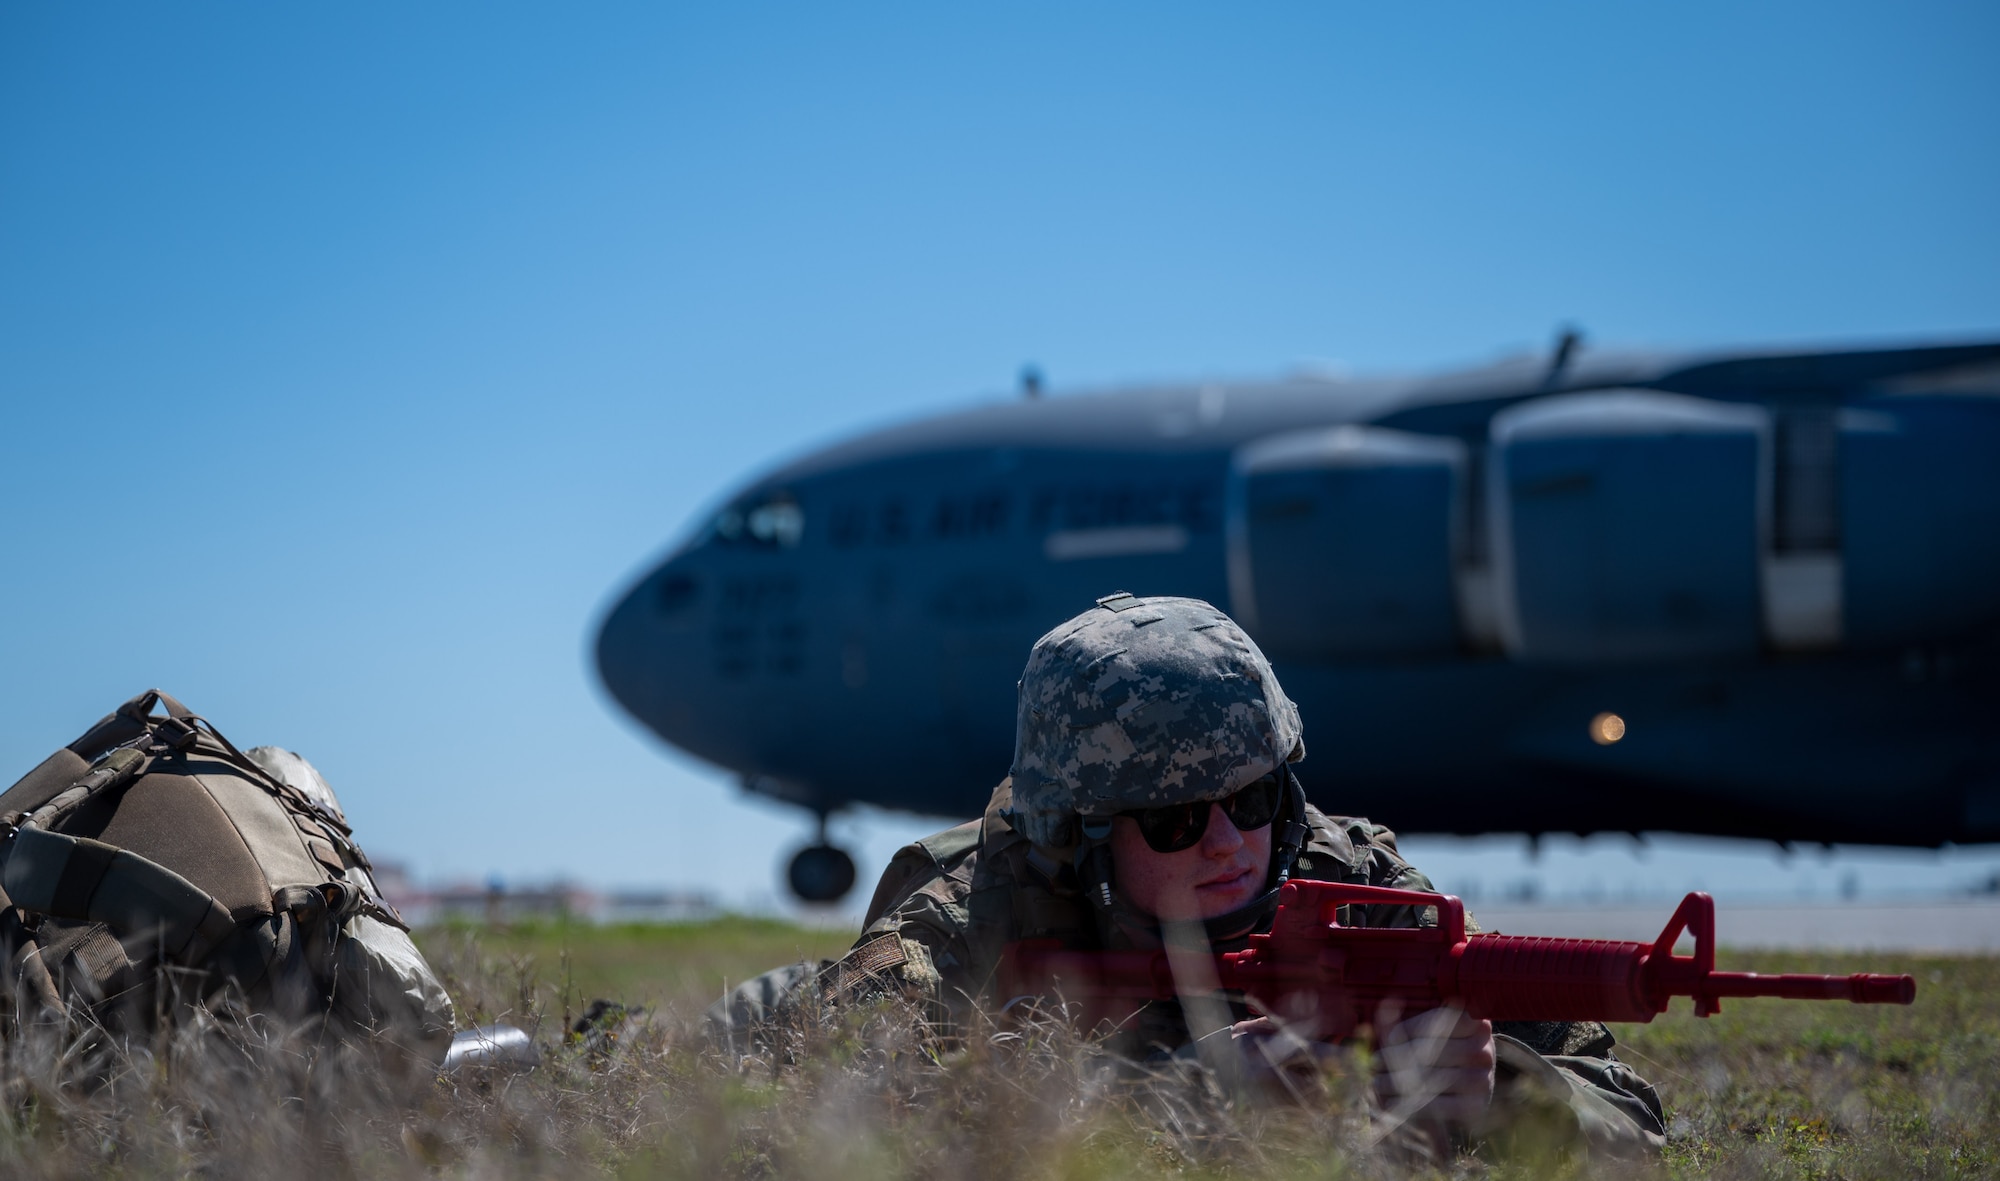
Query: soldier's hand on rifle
{"points": [[1276, 1056], [1437, 1065]]}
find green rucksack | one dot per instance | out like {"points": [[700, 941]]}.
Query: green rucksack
{"points": [[150, 865]]}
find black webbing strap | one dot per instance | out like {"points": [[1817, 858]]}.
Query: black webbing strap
{"points": [[140, 708], [129, 721], [180, 729]]}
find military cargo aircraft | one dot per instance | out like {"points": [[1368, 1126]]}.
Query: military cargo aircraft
{"points": [[1745, 594]]}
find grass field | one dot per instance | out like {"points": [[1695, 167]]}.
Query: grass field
{"points": [[1765, 1090], [1819, 1090], [673, 967]]}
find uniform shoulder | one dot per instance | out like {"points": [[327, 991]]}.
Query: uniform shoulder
{"points": [[942, 855], [1345, 845], [1360, 830], [1356, 849], [941, 869]]}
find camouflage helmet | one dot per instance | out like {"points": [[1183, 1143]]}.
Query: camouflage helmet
{"points": [[1139, 702]]}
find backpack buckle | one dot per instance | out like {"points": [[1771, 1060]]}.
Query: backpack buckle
{"points": [[175, 734]]}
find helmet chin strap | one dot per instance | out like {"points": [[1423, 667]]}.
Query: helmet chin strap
{"points": [[1093, 863], [1094, 868]]}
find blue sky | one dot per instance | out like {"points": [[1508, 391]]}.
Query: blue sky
{"points": [[351, 358]]}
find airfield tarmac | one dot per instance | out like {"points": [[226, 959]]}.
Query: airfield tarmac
{"points": [[1956, 926]]}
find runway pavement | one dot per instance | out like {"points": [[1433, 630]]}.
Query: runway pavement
{"points": [[1963, 926]]}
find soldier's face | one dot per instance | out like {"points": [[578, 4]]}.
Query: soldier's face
{"points": [[1217, 874]]}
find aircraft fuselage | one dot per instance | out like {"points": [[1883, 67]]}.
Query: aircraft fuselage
{"points": [[1776, 574]]}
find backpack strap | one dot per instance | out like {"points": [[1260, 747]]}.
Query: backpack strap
{"points": [[134, 720], [25, 968], [119, 766], [141, 707], [82, 880], [77, 878]]}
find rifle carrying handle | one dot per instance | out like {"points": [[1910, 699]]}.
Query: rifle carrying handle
{"points": [[1320, 903]]}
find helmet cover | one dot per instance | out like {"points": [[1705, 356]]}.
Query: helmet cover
{"points": [[1140, 702]]}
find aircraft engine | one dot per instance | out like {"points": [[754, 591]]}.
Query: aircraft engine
{"points": [[1627, 525], [1920, 528], [1632, 526], [1341, 543], [1624, 526]]}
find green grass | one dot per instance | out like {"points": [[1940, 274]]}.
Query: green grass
{"points": [[679, 967], [1764, 1089], [1767, 1089], [1822, 1090]]}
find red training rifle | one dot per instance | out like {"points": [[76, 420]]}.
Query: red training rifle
{"points": [[1310, 969]]}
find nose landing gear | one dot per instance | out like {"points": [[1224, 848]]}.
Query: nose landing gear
{"points": [[821, 873]]}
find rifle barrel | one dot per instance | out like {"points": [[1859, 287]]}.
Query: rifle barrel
{"points": [[1863, 988]]}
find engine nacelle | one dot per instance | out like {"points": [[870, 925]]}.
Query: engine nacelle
{"points": [[1625, 526], [1628, 525], [1341, 543], [1920, 519]]}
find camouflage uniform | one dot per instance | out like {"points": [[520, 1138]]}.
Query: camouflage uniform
{"points": [[1150, 701]]}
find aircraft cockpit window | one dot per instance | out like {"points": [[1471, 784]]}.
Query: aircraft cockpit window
{"points": [[774, 522]]}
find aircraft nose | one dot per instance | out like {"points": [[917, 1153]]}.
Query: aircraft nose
{"points": [[648, 649]]}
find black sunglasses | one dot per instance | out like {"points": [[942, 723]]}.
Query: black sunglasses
{"points": [[1174, 827]]}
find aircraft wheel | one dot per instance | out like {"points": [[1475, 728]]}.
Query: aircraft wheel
{"points": [[821, 873]]}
